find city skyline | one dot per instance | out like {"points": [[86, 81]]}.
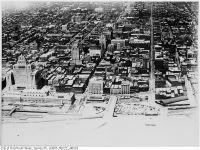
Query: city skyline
{"points": [[87, 66]]}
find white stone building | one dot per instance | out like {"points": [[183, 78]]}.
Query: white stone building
{"points": [[96, 85], [24, 75]]}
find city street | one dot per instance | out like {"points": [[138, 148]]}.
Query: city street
{"points": [[102, 73]]}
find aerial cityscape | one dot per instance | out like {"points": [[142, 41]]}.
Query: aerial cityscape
{"points": [[97, 64]]}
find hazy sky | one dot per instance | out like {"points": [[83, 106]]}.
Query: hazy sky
{"points": [[19, 5]]}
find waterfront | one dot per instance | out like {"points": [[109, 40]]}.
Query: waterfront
{"points": [[100, 74], [120, 131]]}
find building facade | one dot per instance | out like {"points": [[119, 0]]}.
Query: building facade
{"points": [[96, 86], [118, 42], [76, 54], [24, 75], [102, 41], [125, 87], [64, 27]]}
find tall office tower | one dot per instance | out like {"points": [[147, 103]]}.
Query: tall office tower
{"points": [[118, 46], [76, 54], [23, 74], [73, 19], [102, 41], [128, 8], [145, 63]]}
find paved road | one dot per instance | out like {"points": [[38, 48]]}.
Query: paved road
{"points": [[110, 109], [152, 75], [90, 33], [190, 92]]}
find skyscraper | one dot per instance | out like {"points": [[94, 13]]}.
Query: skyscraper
{"points": [[102, 41], [23, 74], [76, 54]]}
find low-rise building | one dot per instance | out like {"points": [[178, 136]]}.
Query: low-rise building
{"points": [[96, 85], [95, 51], [125, 87], [46, 95]]}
